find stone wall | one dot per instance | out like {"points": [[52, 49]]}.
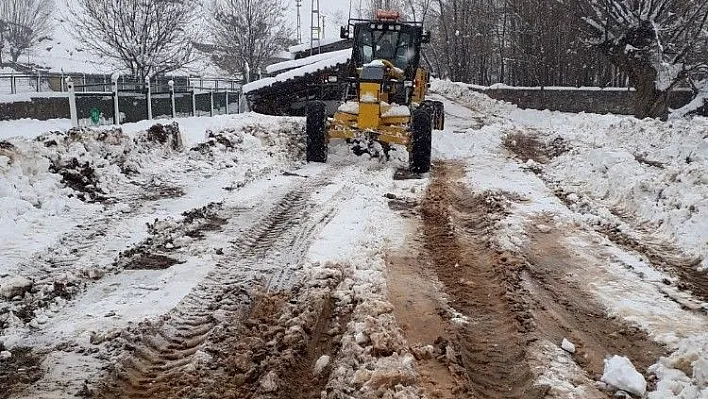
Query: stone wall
{"points": [[615, 101]]}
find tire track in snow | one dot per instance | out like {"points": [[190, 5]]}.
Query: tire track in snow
{"points": [[509, 301], [269, 252]]}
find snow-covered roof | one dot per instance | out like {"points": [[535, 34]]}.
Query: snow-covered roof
{"points": [[291, 64], [306, 46], [335, 58]]}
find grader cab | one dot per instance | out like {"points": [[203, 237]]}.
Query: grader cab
{"points": [[384, 99]]}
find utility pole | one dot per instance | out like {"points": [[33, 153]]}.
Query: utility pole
{"points": [[324, 30], [315, 31], [298, 4]]}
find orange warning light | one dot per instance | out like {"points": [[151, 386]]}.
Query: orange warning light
{"points": [[387, 15]]}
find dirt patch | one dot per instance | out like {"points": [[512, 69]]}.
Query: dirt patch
{"points": [[528, 145], [642, 158], [423, 317], [166, 135], [19, 371], [562, 309], [148, 261], [483, 285], [166, 236], [81, 177], [153, 192]]}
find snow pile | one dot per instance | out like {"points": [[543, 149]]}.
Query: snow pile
{"points": [[349, 107], [374, 360], [621, 374], [567, 346], [684, 374]]}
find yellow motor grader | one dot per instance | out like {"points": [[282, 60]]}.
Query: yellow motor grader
{"points": [[384, 100]]}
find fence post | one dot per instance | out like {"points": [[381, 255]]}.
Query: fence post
{"points": [[171, 83], [211, 101], [116, 110], [72, 103], [149, 97], [194, 102], [13, 84], [39, 81], [61, 82], [84, 82], [226, 112]]}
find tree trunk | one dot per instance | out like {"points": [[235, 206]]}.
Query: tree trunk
{"points": [[651, 102]]}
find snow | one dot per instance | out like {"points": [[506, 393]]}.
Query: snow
{"points": [[683, 374], [14, 286], [620, 373], [349, 107], [368, 98], [604, 164], [322, 42], [28, 95], [292, 64], [336, 58], [397, 111], [667, 74]]}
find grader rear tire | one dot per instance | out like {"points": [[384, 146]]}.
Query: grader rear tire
{"points": [[421, 141], [316, 129]]}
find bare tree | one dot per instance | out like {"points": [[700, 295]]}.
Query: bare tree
{"points": [[249, 33], [658, 43], [24, 24], [146, 37]]}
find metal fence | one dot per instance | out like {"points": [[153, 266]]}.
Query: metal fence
{"points": [[40, 82], [128, 100]]}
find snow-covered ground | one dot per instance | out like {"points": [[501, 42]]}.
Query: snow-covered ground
{"points": [[115, 238]]}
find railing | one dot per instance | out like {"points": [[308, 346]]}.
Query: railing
{"points": [[43, 82], [130, 101]]}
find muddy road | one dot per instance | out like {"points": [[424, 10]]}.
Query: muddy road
{"points": [[339, 281], [490, 307]]}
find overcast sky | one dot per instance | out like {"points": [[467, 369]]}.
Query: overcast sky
{"points": [[335, 11]]}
